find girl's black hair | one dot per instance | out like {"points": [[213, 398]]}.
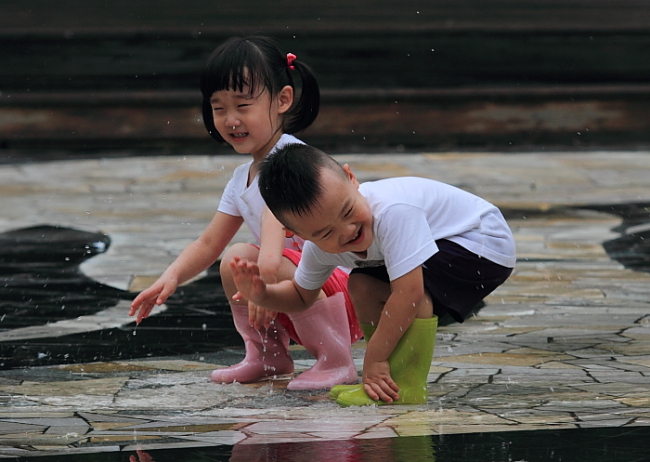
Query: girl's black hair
{"points": [[289, 179], [256, 62]]}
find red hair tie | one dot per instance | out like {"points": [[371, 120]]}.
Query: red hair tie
{"points": [[290, 58]]}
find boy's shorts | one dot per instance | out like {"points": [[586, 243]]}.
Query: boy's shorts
{"points": [[455, 279], [337, 282]]}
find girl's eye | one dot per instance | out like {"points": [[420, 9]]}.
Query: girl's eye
{"points": [[243, 105], [348, 213], [215, 109]]}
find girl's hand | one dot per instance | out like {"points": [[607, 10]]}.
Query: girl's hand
{"points": [[377, 382], [246, 275], [142, 457], [157, 294], [259, 317]]}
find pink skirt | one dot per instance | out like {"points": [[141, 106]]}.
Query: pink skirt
{"points": [[337, 282]]}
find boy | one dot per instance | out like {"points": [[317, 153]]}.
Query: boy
{"points": [[419, 249]]}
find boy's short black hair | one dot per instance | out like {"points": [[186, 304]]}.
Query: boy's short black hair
{"points": [[289, 178]]}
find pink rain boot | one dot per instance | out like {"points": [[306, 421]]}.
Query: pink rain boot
{"points": [[266, 351], [325, 334]]}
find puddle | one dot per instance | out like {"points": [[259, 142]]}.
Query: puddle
{"points": [[632, 249], [593, 445], [40, 282]]}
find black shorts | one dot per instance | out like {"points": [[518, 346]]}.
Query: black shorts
{"points": [[455, 279]]}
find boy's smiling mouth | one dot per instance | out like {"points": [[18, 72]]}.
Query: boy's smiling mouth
{"points": [[358, 237]]}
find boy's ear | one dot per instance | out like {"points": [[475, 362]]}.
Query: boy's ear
{"points": [[350, 175], [285, 99]]}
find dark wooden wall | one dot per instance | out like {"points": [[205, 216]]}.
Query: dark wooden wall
{"points": [[437, 74]]}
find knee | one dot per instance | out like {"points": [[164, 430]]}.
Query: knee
{"points": [[355, 284], [359, 288], [363, 288], [240, 250]]}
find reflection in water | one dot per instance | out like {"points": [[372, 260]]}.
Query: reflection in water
{"points": [[412, 449], [593, 445]]}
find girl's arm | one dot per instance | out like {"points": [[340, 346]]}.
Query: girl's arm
{"points": [[407, 300], [271, 246], [269, 260], [196, 257]]}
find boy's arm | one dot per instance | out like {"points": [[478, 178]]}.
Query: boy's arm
{"points": [[284, 297], [196, 257], [407, 300]]}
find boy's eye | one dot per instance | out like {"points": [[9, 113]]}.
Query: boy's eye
{"points": [[348, 213]]}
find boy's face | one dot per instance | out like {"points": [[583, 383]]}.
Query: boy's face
{"points": [[341, 221]]}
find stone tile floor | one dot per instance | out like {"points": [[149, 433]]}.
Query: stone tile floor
{"points": [[565, 343]]}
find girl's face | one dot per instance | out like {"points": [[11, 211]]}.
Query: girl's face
{"points": [[250, 121]]}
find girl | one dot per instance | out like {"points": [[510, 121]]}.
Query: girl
{"points": [[249, 102]]}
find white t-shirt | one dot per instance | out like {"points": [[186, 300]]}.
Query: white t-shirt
{"points": [[409, 215], [244, 201]]}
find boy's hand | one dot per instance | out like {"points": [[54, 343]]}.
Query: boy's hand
{"points": [[259, 317], [157, 294], [246, 275], [377, 382]]}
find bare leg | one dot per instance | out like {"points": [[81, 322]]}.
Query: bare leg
{"points": [[369, 296]]}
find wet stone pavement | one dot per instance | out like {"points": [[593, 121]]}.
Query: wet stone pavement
{"points": [[564, 344]]}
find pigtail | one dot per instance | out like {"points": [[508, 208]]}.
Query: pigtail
{"points": [[305, 110]]}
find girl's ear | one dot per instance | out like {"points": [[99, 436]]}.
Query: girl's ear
{"points": [[285, 99]]}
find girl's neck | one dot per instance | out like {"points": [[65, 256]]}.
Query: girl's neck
{"points": [[259, 157]]}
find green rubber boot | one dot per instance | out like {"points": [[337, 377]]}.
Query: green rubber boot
{"points": [[409, 363], [336, 390]]}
